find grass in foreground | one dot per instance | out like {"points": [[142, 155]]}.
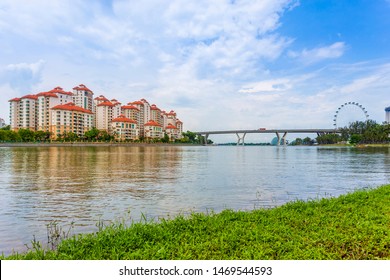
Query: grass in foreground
{"points": [[353, 226]]}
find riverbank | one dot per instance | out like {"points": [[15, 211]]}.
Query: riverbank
{"points": [[353, 226], [91, 144]]}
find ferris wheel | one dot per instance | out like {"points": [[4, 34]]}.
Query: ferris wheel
{"points": [[360, 106]]}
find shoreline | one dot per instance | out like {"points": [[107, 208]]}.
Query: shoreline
{"points": [[335, 228], [118, 144], [94, 144]]}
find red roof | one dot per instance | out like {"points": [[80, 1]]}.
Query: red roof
{"points": [[16, 99], [122, 118], [60, 90], [171, 126], [47, 94], [29, 96], [82, 87], [137, 103], [154, 107], [101, 97], [179, 121], [172, 113], [106, 103], [71, 107], [151, 123], [131, 107]]}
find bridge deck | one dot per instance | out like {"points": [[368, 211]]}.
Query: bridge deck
{"points": [[288, 130]]}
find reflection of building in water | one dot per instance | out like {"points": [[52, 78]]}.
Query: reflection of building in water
{"points": [[387, 117], [35, 112]]}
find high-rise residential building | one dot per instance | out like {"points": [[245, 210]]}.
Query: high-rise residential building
{"points": [[103, 115], [83, 97], [14, 113], [155, 114], [68, 117], [387, 117], [23, 112], [172, 132], [59, 112], [131, 112], [179, 125], [124, 128], [116, 109], [153, 130], [46, 101]]}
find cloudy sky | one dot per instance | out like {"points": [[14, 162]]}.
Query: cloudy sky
{"points": [[221, 64]]}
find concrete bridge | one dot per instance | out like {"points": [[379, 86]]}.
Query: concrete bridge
{"points": [[281, 139]]}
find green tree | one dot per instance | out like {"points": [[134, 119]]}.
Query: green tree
{"points": [[307, 141], [92, 134], [26, 135]]}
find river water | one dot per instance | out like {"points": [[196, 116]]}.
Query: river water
{"points": [[84, 185]]}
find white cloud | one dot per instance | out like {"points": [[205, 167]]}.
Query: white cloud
{"points": [[335, 50], [22, 76], [267, 86]]}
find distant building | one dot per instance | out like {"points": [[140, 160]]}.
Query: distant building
{"points": [[60, 112], [387, 110], [2, 123], [68, 117], [124, 128]]}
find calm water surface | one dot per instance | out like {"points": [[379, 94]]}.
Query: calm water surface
{"points": [[83, 185]]}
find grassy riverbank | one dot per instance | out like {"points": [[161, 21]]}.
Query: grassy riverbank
{"points": [[352, 226]]}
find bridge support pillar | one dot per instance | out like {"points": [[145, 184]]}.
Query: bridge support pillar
{"points": [[240, 139], [206, 136], [283, 139]]}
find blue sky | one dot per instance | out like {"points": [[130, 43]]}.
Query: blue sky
{"points": [[219, 64]]}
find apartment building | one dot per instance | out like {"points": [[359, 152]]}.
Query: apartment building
{"points": [[387, 116], [131, 112], [68, 117], [46, 101], [153, 130], [155, 114], [124, 128], [23, 111], [59, 111], [83, 97], [104, 115]]}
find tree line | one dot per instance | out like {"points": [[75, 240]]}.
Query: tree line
{"points": [[359, 132], [92, 135]]}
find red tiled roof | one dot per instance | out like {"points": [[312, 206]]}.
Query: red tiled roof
{"points": [[154, 107], [101, 97], [47, 94], [122, 118], [172, 113], [71, 107], [131, 107], [136, 103], [170, 126], [106, 103], [60, 90], [179, 121], [144, 100], [82, 87], [29, 96], [151, 123], [16, 99]]}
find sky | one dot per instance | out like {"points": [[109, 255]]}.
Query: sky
{"points": [[220, 65]]}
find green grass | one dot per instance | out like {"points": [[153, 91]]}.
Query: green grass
{"points": [[353, 226]]}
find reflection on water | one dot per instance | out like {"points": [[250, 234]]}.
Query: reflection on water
{"points": [[85, 184]]}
